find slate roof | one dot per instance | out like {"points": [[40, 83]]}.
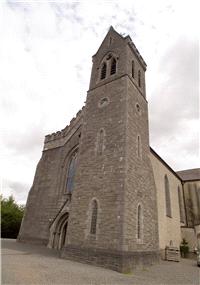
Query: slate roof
{"points": [[189, 174]]}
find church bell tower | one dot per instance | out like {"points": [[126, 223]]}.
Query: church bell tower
{"points": [[113, 213]]}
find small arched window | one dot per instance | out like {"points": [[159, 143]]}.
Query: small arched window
{"points": [[133, 68], [139, 78], [103, 71], [100, 142], [167, 197], [113, 66], [71, 172], [180, 200], [139, 222], [93, 227]]}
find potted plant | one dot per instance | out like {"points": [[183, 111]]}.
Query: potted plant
{"points": [[184, 248]]}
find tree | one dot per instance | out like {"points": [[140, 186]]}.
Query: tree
{"points": [[11, 217]]}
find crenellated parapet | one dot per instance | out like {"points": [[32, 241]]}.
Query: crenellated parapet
{"points": [[59, 138]]}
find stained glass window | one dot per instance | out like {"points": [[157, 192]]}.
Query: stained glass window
{"points": [[71, 172]]}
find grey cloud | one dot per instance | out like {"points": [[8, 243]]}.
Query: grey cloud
{"points": [[174, 104], [191, 146], [24, 143], [177, 99], [18, 5], [68, 11], [181, 65], [19, 190]]}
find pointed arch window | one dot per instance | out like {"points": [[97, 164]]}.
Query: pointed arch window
{"points": [[133, 69], [113, 66], [180, 200], [167, 197], [71, 172], [103, 70], [139, 222], [139, 78], [93, 227]]}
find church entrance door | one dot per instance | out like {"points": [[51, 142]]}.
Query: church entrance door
{"points": [[60, 232]]}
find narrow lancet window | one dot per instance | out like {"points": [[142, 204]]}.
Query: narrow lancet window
{"points": [[133, 69], [139, 78], [138, 146], [100, 142], [139, 222], [167, 197], [197, 192], [71, 172], [180, 205], [113, 66], [93, 226], [103, 71]]}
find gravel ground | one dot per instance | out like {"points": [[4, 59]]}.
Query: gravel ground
{"points": [[33, 264]]}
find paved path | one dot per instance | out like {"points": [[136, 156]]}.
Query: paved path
{"points": [[30, 264]]}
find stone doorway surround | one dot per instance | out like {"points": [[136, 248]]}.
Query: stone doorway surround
{"points": [[58, 230]]}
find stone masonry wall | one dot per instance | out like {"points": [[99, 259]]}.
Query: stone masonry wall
{"points": [[48, 192], [100, 176], [140, 184], [169, 227]]}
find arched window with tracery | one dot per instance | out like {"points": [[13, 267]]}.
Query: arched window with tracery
{"points": [[71, 172], [113, 66], [133, 69], [103, 70], [139, 78], [93, 226], [139, 222], [167, 197]]}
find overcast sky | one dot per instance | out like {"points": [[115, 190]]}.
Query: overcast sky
{"points": [[45, 63]]}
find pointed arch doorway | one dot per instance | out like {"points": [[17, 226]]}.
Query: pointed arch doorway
{"points": [[60, 232]]}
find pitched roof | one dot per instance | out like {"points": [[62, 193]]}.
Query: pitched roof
{"points": [[166, 165], [189, 174]]}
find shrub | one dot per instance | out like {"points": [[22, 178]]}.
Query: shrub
{"points": [[184, 248]]}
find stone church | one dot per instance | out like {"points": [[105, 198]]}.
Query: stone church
{"points": [[101, 194]]}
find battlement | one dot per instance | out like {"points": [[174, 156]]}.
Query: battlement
{"points": [[60, 137]]}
